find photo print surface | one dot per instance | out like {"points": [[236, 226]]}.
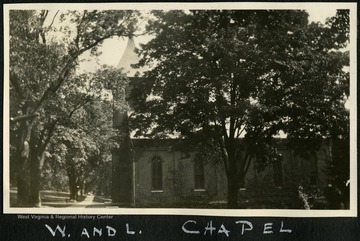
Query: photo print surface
{"points": [[190, 108]]}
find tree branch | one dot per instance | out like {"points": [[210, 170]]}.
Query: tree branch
{"points": [[78, 30], [66, 70], [52, 22], [86, 100], [53, 88], [42, 18], [41, 136], [239, 132], [48, 137], [23, 118], [223, 126], [15, 83]]}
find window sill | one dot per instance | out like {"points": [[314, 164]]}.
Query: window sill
{"points": [[199, 190], [157, 191]]}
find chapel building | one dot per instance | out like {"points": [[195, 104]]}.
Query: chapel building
{"points": [[154, 173]]}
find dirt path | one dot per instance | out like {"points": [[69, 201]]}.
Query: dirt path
{"points": [[88, 200]]}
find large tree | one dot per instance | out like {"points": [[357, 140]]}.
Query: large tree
{"points": [[84, 136], [42, 58], [232, 80]]}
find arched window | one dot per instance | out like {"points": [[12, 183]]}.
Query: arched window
{"points": [[199, 173], [156, 173]]}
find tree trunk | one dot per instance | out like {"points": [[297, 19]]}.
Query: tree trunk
{"points": [[233, 189], [73, 187], [232, 176], [35, 171], [81, 186], [23, 187], [38, 146]]}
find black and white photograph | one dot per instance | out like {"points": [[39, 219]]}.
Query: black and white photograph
{"points": [[209, 109]]}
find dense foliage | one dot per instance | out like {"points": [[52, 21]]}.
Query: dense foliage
{"points": [[219, 76], [45, 90]]}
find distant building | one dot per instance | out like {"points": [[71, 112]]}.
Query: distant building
{"points": [[154, 173]]}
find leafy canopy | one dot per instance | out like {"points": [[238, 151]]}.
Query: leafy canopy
{"points": [[255, 72]]}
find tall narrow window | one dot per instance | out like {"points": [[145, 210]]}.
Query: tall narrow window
{"points": [[242, 184], [278, 174], [313, 170], [156, 173], [199, 173]]}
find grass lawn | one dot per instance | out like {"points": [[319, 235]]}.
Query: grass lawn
{"points": [[48, 198]]}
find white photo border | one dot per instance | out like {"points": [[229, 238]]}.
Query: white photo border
{"points": [[320, 6]]}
